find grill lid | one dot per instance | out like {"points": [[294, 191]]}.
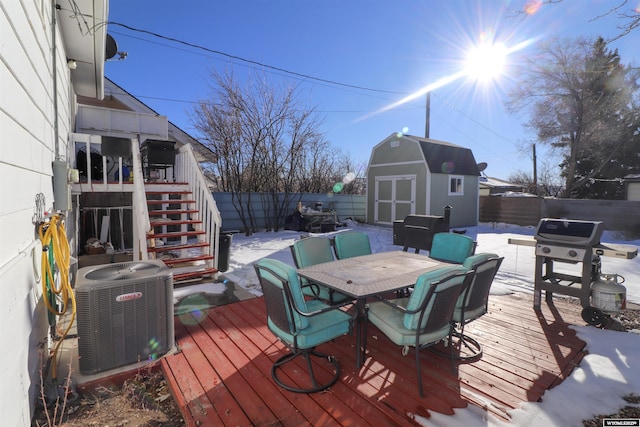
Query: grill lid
{"points": [[569, 231]]}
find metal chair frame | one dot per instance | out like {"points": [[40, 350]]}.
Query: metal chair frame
{"points": [[281, 307], [439, 315]]}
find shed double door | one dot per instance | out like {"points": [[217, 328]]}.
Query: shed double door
{"points": [[395, 198]]}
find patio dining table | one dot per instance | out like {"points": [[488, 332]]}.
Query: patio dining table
{"points": [[369, 275]]}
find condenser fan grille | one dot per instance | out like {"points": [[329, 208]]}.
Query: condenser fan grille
{"points": [[123, 271]]}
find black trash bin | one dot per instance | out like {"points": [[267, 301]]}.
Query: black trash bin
{"points": [[224, 251]]}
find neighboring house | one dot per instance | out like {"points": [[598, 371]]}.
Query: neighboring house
{"points": [[413, 175], [494, 186], [53, 104], [632, 187]]}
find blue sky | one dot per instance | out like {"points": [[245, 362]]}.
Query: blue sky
{"points": [[395, 47]]}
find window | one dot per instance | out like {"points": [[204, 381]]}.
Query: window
{"points": [[455, 185]]}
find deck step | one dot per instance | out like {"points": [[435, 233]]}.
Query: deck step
{"points": [[160, 193], [194, 275], [173, 261], [170, 202], [163, 222], [171, 211], [167, 248], [176, 234]]}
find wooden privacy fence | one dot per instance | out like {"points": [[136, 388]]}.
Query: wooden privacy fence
{"points": [[345, 206], [621, 215]]}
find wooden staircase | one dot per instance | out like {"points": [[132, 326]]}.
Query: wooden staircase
{"points": [[177, 235]]}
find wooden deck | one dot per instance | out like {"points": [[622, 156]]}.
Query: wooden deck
{"points": [[221, 376]]}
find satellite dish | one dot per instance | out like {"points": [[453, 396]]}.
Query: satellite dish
{"points": [[482, 166], [111, 47]]}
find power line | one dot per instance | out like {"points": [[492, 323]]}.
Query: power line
{"points": [[454, 108], [289, 72], [249, 61]]}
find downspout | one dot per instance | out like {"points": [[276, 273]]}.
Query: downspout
{"points": [[54, 64]]}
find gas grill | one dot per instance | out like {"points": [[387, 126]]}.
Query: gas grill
{"points": [[570, 242]]}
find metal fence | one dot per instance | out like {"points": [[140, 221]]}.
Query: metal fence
{"points": [[345, 206]]}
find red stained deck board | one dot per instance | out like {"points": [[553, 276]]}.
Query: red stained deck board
{"points": [[240, 379], [356, 409], [217, 392], [526, 353], [190, 396]]}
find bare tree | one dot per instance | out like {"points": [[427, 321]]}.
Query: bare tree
{"points": [[627, 12], [549, 183], [580, 101], [259, 136]]}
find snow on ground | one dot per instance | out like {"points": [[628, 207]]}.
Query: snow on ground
{"points": [[610, 371]]}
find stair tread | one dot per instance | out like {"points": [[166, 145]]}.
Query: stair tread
{"points": [[165, 248], [171, 261], [174, 222], [160, 183], [175, 234], [168, 192], [170, 202], [172, 211], [194, 274]]}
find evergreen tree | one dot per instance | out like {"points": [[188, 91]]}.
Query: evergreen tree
{"points": [[582, 103]]}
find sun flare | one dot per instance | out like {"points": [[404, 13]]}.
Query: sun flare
{"points": [[486, 62]]}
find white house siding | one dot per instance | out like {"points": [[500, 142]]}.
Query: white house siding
{"points": [[27, 150]]}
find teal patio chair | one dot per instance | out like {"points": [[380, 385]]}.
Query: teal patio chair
{"points": [[474, 302], [301, 325], [452, 247], [311, 251], [424, 318], [350, 244]]}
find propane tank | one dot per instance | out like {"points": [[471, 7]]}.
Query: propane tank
{"points": [[608, 294]]}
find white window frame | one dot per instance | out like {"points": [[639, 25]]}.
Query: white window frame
{"points": [[459, 183]]}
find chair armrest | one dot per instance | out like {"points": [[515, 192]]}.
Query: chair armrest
{"points": [[394, 305], [323, 310], [313, 286]]}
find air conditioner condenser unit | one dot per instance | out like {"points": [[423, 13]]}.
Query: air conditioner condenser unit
{"points": [[124, 314]]}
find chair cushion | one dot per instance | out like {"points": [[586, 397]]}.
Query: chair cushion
{"points": [[391, 322], [451, 247], [290, 274], [421, 289], [473, 260], [312, 251], [471, 263], [321, 328], [352, 243]]}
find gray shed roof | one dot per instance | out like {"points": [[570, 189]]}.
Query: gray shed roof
{"points": [[444, 157]]}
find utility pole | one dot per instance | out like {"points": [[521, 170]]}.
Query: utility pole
{"points": [[535, 170], [428, 117]]}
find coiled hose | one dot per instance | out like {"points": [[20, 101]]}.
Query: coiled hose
{"points": [[54, 238]]}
